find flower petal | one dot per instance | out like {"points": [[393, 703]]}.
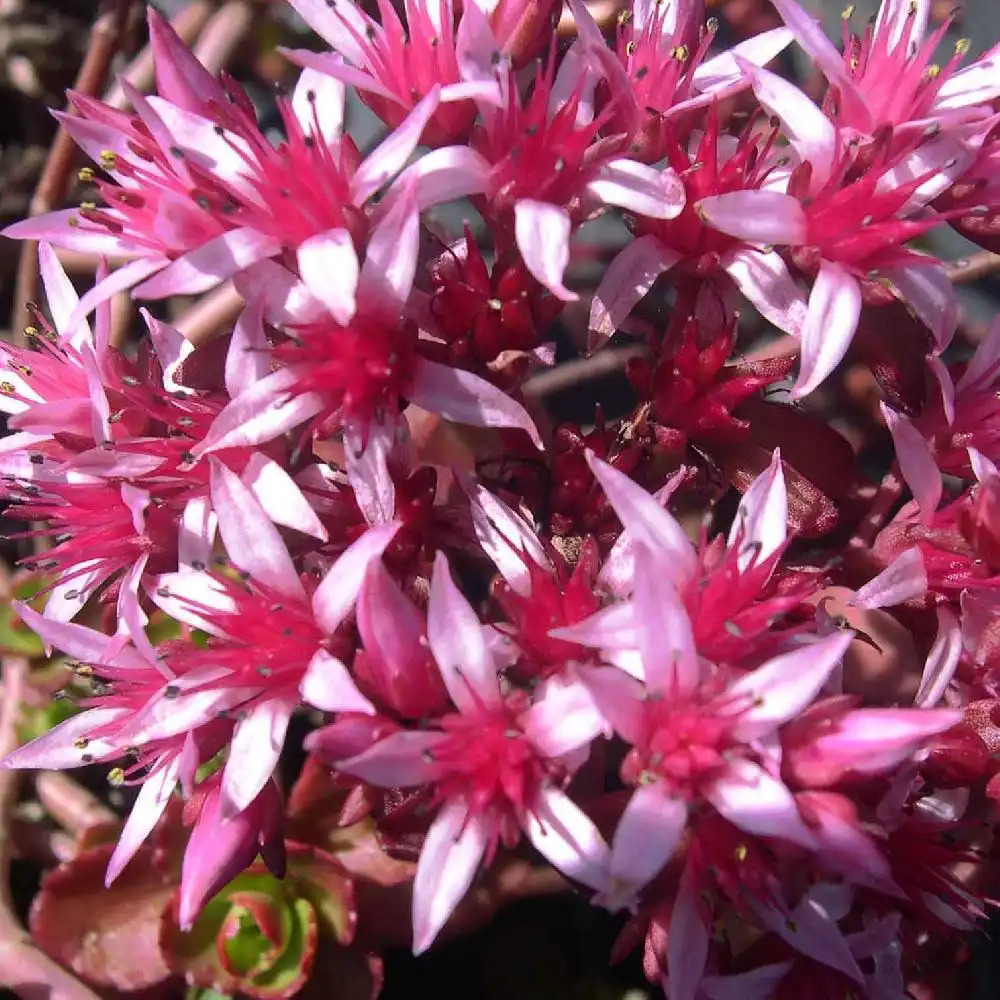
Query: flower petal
{"points": [[942, 661], [927, 293], [830, 323], [564, 717], [329, 267], [391, 259], [566, 837], [766, 217], [466, 398], [764, 279], [904, 578], [251, 539], [328, 685], [456, 639], [399, 760], [781, 688], [761, 520], [916, 462], [280, 497], [542, 231], [454, 847], [638, 188]]}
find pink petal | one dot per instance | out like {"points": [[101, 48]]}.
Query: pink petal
{"points": [[400, 760], [454, 846], [251, 539], [332, 65], [939, 370], [619, 697], [646, 521], [930, 296], [759, 984], [318, 102], [56, 228], [77, 641], [476, 48], [180, 77], [342, 27], [687, 940], [61, 297], [172, 349], [638, 188], [751, 799], [391, 259], [147, 809], [542, 231], [66, 600], [646, 838], [628, 278], [810, 35], [456, 639], [391, 154], [830, 323], [915, 461], [466, 398], [611, 627], [329, 267], [248, 358], [203, 268], [978, 84], [564, 717], [506, 538], [254, 753], [328, 685], [984, 365], [761, 518], [280, 497], [764, 279], [766, 217], [441, 175], [196, 534], [663, 630], [722, 70], [903, 579], [982, 467], [338, 590], [286, 299], [566, 837], [809, 131], [368, 469], [180, 594], [261, 413], [124, 277], [59, 748], [784, 686]]}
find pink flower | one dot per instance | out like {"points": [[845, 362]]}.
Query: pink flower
{"points": [[357, 358], [658, 68], [393, 65], [887, 78], [494, 767], [846, 217]]}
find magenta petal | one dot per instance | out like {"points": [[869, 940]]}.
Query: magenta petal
{"points": [[456, 639], [814, 40], [391, 154], [203, 268], [766, 217], [645, 840], [466, 398], [829, 327], [454, 846], [254, 753], [318, 102], [193, 598], [638, 188], [751, 799], [59, 748], [61, 297], [629, 277], [646, 521], [251, 539], [942, 661], [916, 462], [180, 77], [328, 685], [543, 231], [720, 72], [904, 578], [441, 175], [172, 348], [391, 259], [196, 534], [761, 520], [566, 837], [248, 358], [564, 718], [984, 365], [759, 984], [157, 787], [781, 688], [280, 497], [764, 279], [56, 228], [261, 413], [368, 468], [400, 760], [329, 267], [338, 590], [124, 277], [687, 940]]}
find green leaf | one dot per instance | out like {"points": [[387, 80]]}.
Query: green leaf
{"points": [[291, 969], [36, 721], [16, 639], [205, 993], [321, 879]]}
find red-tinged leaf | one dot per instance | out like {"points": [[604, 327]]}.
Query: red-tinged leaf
{"points": [[811, 513], [318, 877], [109, 937], [983, 230], [894, 345]]}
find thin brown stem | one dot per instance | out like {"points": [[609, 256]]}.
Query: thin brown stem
{"points": [[51, 190], [969, 269], [211, 315]]}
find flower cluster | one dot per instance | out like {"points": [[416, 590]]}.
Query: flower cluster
{"points": [[522, 634]]}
